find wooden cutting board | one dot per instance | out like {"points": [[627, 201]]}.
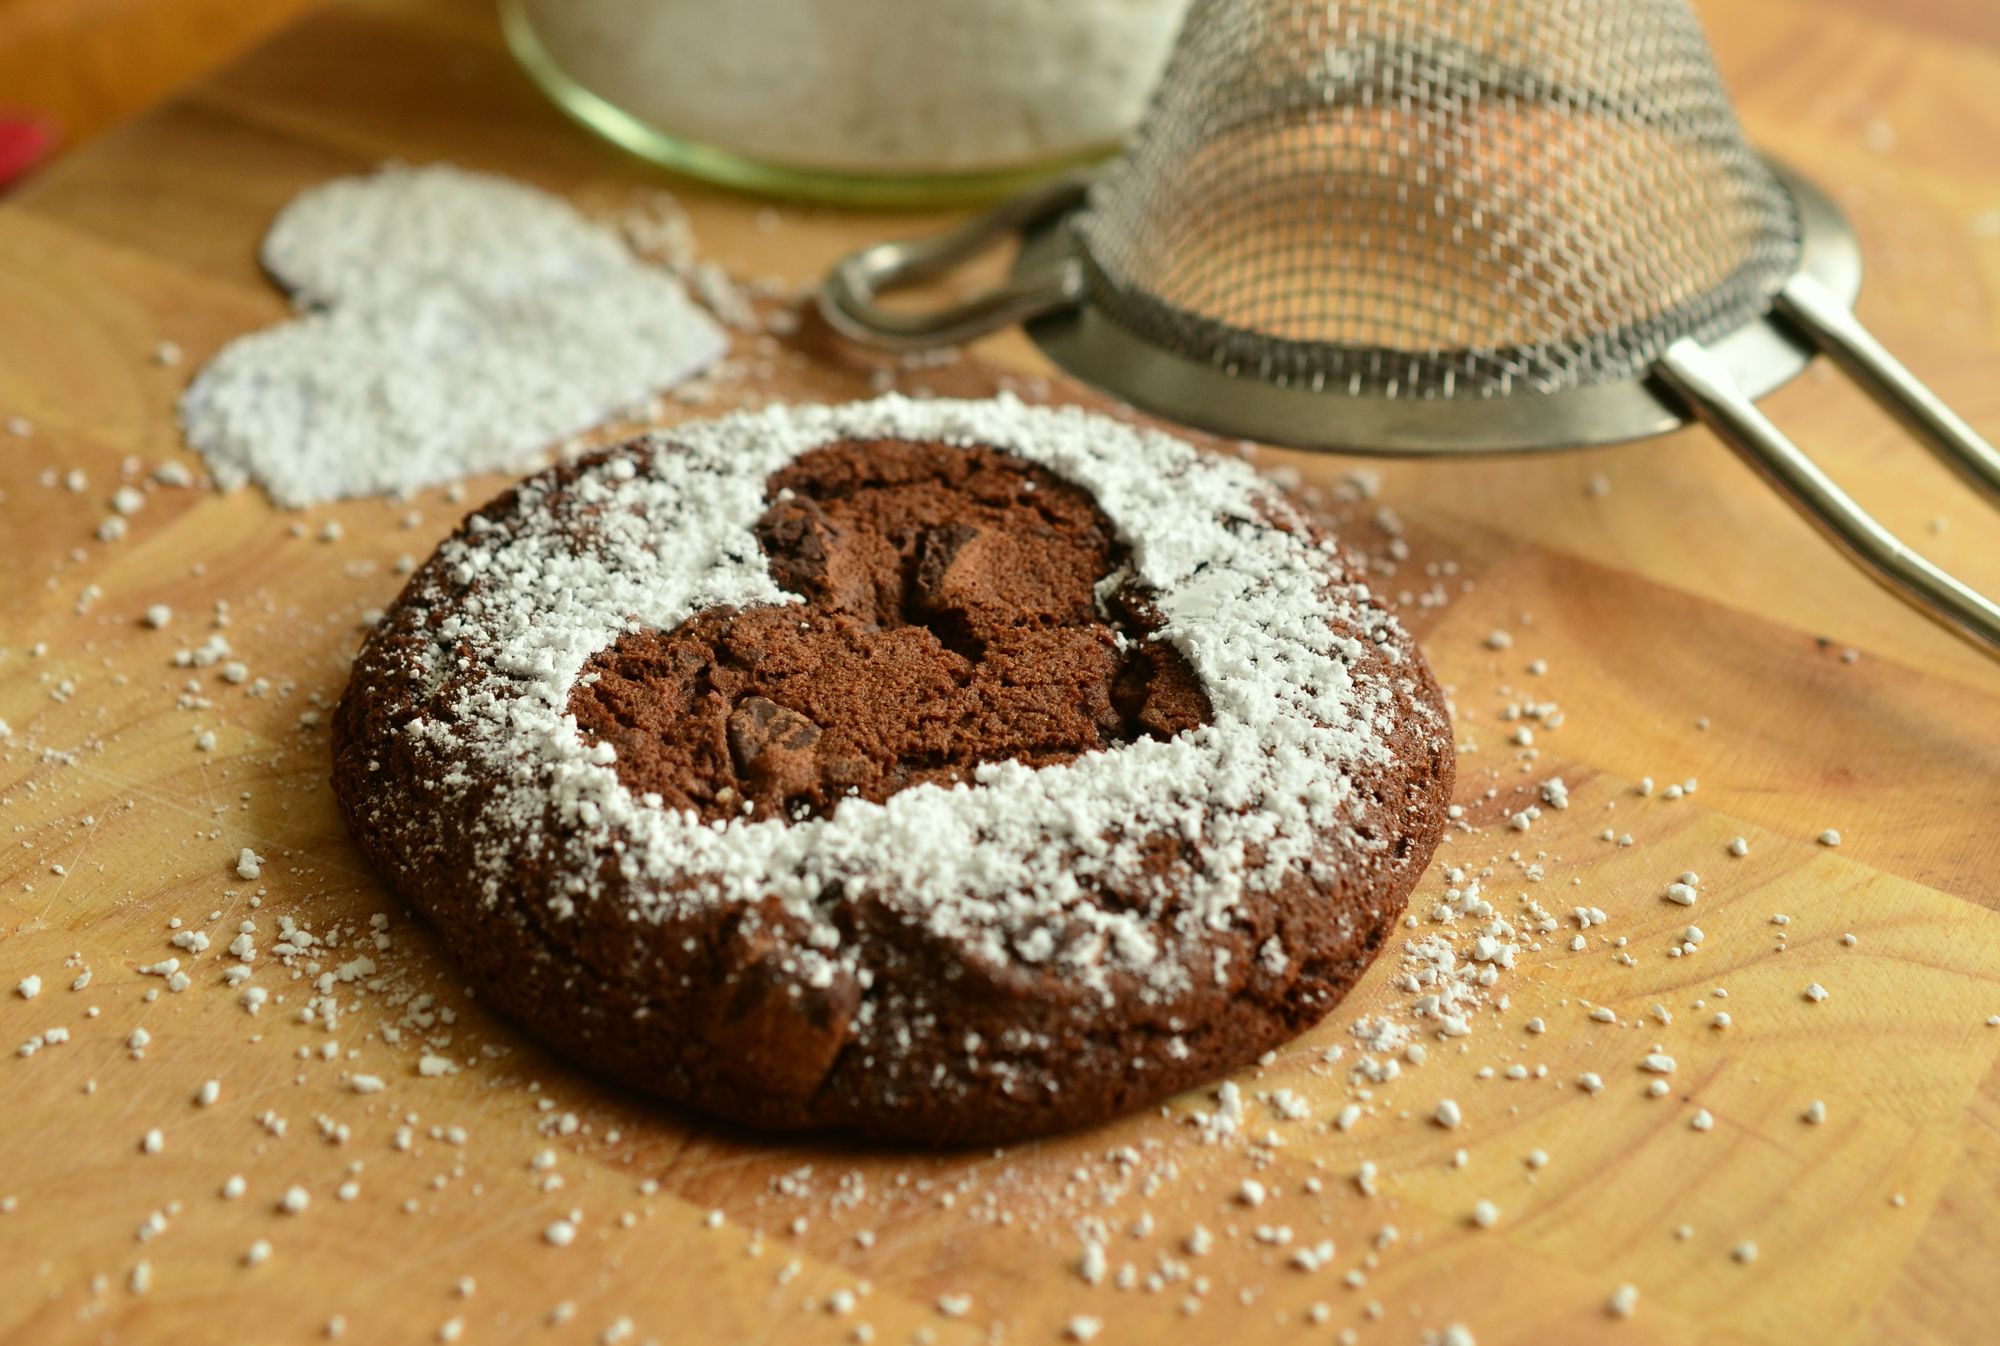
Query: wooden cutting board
{"points": [[1690, 628]]}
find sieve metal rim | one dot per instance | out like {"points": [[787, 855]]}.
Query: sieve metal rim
{"points": [[1087, 341]]}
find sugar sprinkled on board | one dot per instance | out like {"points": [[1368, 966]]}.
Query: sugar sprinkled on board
{"points": [[1380, 1110], [452, 322]]}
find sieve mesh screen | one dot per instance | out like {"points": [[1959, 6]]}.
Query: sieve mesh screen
{"points": [[1437, 198]]}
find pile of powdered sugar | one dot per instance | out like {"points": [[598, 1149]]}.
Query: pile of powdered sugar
{"points": [[452, 322], [663, 529]]}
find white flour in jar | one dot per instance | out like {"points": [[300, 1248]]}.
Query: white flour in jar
{"points": [[900, 86]]}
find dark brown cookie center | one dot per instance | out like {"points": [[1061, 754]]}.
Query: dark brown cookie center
{"points": [[951, 618]]}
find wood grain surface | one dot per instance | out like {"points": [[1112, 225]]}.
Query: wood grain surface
{"points": [[1691, 629]]}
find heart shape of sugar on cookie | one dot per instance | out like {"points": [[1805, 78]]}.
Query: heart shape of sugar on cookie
{"points": [[958, 607], [943, 771]]}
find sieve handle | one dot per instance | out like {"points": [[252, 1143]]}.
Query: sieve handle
{"points": [[847, 298], [1835, 331], [1702, 382]]}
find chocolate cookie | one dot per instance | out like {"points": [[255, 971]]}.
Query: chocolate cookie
{"points": [[948, 771]]}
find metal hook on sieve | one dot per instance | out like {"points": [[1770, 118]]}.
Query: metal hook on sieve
{"points": [[848, 297]]}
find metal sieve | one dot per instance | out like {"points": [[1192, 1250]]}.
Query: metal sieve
{"points": [[1443, 227]]}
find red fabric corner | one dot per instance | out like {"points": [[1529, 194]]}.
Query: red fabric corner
{"points": [[24, 141]]}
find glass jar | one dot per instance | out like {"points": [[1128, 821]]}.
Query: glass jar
{"points": [[859, 101]]}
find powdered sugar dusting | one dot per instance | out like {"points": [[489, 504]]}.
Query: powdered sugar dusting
{"points": [[454, 322], [663, 529]]}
